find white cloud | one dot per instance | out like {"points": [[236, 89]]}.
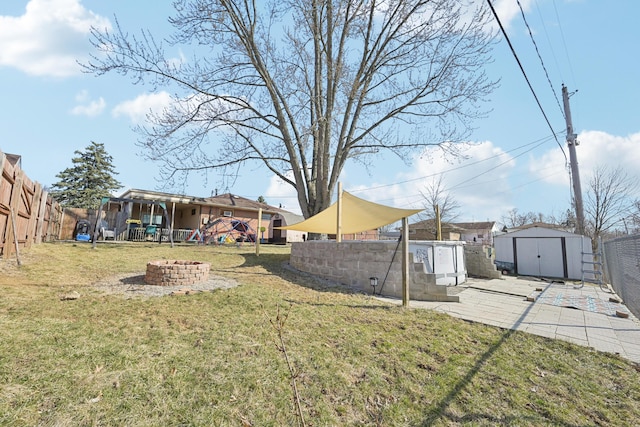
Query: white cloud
{"points": [[480, 183], [595, 148], [138, 108], [88, 107], [49, 38], [508, 10], [279, 193]]}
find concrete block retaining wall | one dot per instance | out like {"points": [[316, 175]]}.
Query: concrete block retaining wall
{"points": [[353, 262], [480, 263]]}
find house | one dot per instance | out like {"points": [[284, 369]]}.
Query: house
{"points": [[426, 230], [470, 232], [148, 215], [544, 252], [477, 232]]}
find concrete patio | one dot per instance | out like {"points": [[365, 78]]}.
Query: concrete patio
{"points": [[581, 315]]}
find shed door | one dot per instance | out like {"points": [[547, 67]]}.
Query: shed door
{"points": [[542, 257], [277, 233]]}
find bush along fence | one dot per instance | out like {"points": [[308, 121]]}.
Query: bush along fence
{"points": [[28, 214]]}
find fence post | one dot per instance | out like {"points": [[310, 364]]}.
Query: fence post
{"points": [[12, 234], [3, 232], [34, 206], [40, 216]]}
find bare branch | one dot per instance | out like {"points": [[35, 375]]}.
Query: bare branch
{"points": [[303, 87]]}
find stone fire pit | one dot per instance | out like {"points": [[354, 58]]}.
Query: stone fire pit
{"points": [[176, 272]]}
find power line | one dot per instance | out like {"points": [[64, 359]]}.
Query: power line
{"points": [[524, 18], [546, 33], [538, 143], [495, 167], [417, 198], [555, 172], [564, 43], [495, 14]]}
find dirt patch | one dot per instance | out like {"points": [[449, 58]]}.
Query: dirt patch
{"points": [[134, 286]]}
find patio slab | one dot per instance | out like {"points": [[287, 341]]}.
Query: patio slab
{"points": [[583, 315]]}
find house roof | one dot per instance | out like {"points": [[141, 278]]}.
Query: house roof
{"points": [[14, 159], [428, 224], [235, 201], [290, 217], [486, 225], [226, 200]]}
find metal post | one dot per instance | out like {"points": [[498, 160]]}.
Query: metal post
{"points": [[572, 141]]}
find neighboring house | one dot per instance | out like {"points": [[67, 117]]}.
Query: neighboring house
{"points": [[470, 232], [362, 235], [139, 215], [426, 230], [477, 232], [389, 235]]}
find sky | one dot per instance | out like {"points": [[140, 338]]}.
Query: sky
{"points": [[50, 108]]}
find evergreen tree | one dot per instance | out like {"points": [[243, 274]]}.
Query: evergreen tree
{"points": [[89, 179]]}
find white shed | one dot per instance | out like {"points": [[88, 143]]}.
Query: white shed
{"points": [[281, 219], [544, 252]]}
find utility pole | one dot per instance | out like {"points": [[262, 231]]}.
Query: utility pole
{"points": [[572, 141], [438, 223]]}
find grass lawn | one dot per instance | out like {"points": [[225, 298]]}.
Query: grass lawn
{"points": [[245, 356]]}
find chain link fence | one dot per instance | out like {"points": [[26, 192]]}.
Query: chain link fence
{"points": [[622, 266]]}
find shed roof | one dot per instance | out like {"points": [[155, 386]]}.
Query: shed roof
{"points": [[538, 224], [536, 231]]}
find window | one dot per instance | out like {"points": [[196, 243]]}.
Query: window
{"points": [[193, 211], [227, 213]]}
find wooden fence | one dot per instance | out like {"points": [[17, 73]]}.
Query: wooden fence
{"points": [[28, 214]]}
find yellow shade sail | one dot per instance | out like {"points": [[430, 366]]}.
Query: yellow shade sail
{"points": [[357, 215]]}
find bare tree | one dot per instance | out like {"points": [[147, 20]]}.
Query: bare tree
{"points": [[513, 218], [566, 219], [608, 200], [634, 225], [304, 86], [434, 194]]}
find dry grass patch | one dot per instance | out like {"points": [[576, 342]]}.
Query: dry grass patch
{"points": [[214, 358]]}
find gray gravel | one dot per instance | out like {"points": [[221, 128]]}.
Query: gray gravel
{"points": [[133, 286]]}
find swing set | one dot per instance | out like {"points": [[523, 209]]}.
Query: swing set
{"points": [[149, 203]]}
